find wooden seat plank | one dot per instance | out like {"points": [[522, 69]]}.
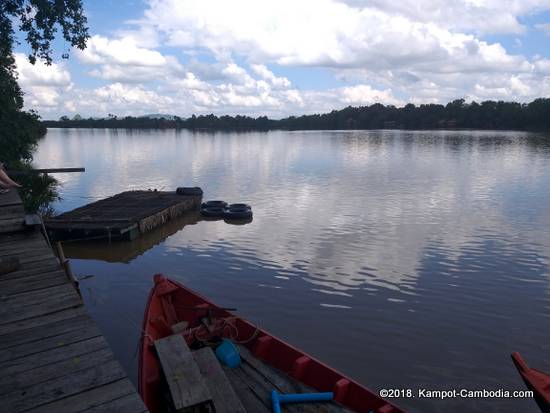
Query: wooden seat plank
{"points": [[182, 373]]}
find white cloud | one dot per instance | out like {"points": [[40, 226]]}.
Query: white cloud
{"points": [[122, 60], [420, 51], [265, 73], [42, 84], [479, 16], [41, 74], [324, 33], [366, 95], [122, 51]]}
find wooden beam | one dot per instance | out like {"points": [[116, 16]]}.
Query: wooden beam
{"points": [[47, 171]]}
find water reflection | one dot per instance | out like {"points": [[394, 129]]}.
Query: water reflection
{"points": [[425, 255], [126, 251]]}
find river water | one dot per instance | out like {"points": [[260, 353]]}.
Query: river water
{"points": [[409, 260]]}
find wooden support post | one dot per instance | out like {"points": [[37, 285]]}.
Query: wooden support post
{"points": [[67, 267]]}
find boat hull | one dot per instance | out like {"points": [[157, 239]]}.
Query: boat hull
{"points": [[537, 381], [170, 303]]}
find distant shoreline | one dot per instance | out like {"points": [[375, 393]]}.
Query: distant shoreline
{"points": [[456, 115]]}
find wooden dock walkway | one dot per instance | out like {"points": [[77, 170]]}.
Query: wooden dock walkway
{"points": [[121, 217], [53, 357]]}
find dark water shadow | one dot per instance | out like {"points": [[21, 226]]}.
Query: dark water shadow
{"points": [[126, 251]]}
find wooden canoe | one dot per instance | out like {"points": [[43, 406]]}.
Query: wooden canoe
{"points": [[174, 309], [536, 380]]}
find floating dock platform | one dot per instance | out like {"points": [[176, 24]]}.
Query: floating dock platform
{"points": [[53, 357], [121, 217]]}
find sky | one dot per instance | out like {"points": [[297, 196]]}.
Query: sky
{"points": [[282, 58]]}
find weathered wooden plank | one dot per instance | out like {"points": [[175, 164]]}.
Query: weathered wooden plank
{"points": [[40, 321], [34, 297], [11, 225], [54, 355], [25, 271], [224, 397], [22, 244], [15, 305], [34, 256], [264, 378], [10, 198], [126, 404], [47, 330], [89, 399], [86, 331], [13, 214], [56, 304], [62, 387], [20, 236], [18, 286], [252, 401], [58, 170], [182, 373], [29, 378], [7, 210]]}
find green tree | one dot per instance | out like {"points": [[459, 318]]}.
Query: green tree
{"points": [[39, 21]]}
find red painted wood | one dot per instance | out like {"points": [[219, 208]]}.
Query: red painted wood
{"points": [[273, 351], [536, 380]]}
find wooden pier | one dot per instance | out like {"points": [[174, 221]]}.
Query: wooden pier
{"points": [[121, 217], [53, 357]]}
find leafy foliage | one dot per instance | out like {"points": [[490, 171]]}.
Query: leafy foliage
{"points": [[20, 130], [40, 20], [38, 190]]}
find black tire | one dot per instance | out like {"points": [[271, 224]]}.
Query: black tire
{"points": [[194, 191], [214, 204], [237, 214], [238, 221], [213, 212]]}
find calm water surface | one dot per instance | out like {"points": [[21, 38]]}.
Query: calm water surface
{"points": [[404, 259]]}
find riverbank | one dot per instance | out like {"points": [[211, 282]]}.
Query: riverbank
{"points": [[488, 115]]}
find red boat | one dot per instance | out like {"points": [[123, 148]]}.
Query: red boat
{"points": [[536, 380], [268, 362]]}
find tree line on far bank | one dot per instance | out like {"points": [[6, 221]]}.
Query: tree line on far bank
{"points": [[455, 115]]}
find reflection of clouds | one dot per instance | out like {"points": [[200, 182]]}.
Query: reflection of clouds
{"points": [[342, 210]]}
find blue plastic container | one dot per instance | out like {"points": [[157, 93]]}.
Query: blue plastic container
{"points": [[228, 354]]}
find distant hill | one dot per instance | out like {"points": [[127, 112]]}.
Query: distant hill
{"points": [[159, 116], [454, 115]]}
